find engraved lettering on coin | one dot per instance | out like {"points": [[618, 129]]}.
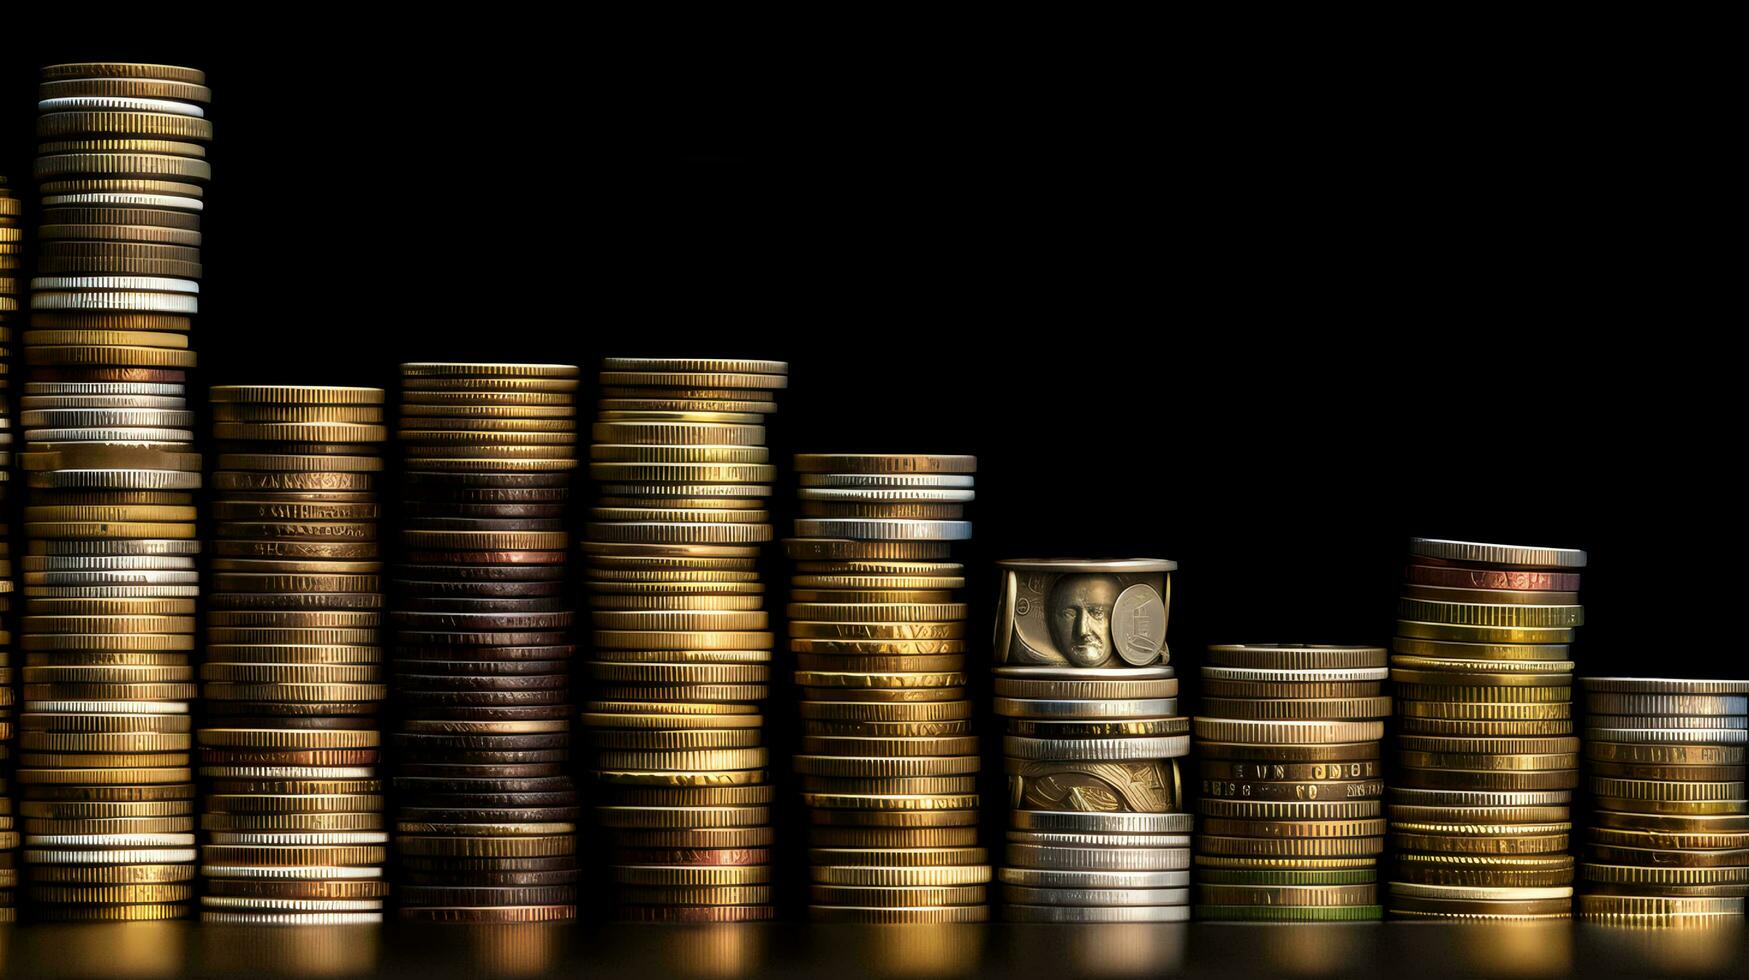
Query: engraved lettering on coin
{"points": [[1138, 625]]}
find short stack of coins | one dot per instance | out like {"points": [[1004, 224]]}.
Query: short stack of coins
{"points": [[10, 261], [682, 637], [1480, 799], [1668, 842], [1097, 826], [889, 757], [109, 579], [1288, 747], [293, 676], [486, 808]]}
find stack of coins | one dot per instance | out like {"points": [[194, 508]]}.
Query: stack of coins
{"points": [[889, 758], [10, 260], [682, 638], [486, 809], [1480, 800], [293, 675], [1669, 841], [110, 581], [1097, 828], [1288, 745]]}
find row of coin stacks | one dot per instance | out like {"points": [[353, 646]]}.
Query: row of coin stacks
{"points": [[1098, 831], [10, 261], [682, 639], [1669, 839], [1487, 761], [293, 678], [110, 577], [889, 758], [485, 821], [1288, 750]]}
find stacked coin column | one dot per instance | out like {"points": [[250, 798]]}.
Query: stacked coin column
{"points": [[1288, 752], [10, 261], [110, 576], [294, 677], [682, 641], [889, 757], [1481, 797], [485, 807], [1669, 840], [1097, 828]]}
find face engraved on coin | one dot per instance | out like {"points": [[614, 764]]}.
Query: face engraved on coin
{"points": [[1080, 616]]}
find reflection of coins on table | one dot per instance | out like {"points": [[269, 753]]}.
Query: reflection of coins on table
{"points": [[889, 755], [1487, 758], [1083, 613]]}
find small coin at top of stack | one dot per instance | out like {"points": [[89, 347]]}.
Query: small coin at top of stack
{"points": [[1288, 751], [486, 809], [1669, 841], [108, 803], [1480, 800], [682, 647], [889, 755], [1097, 828], [294, 678]]}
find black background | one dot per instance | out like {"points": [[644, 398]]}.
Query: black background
{"points": [[1264, 309]]}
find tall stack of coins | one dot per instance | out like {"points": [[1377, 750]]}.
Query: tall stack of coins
{"points": [[682, 637], [1487, 761], [110, 592], [1098, 831], [9, 263], [1288, 745], [486, 809], [294, 674], [889, 758], [1669, 840]]}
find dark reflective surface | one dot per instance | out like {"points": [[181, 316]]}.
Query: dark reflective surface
{"points": [[1401, 950]]}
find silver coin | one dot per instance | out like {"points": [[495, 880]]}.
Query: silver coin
{"points": [[1098, 749], [1098, 840], [882, 495], [319, 839], [1101, 708], [140, 284], [108, 840], [1069, 913], [1096, 897], [1328, 674], [115, 300], [291, 918], [1155, 673], [1090, 822], [939, 480], [31, 403], [168, 202], [1138, 624], [118, 103], [106, 707], [1042, 878], [131, 855], [105, 388], [1059, 858]]}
